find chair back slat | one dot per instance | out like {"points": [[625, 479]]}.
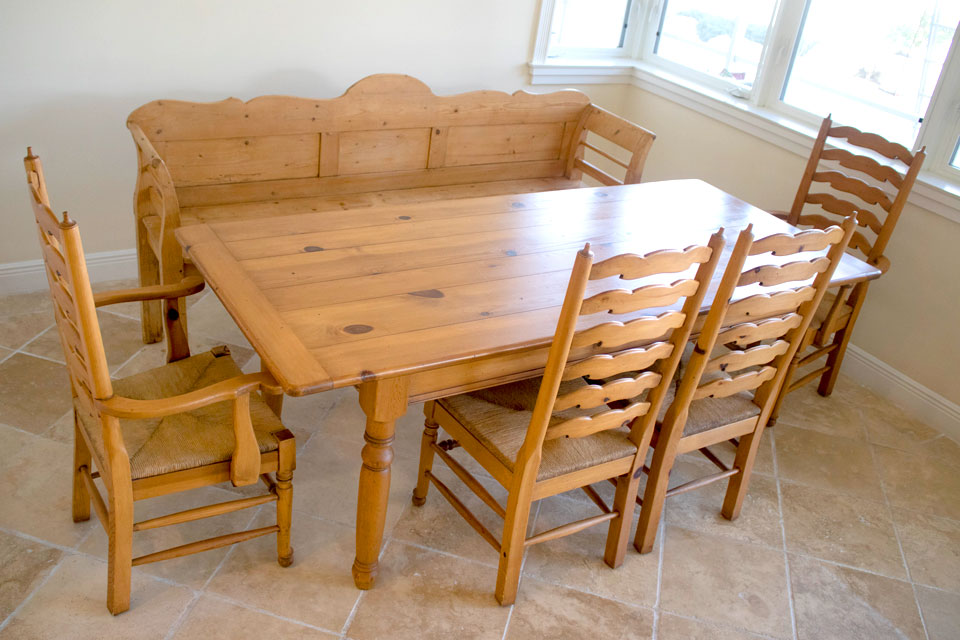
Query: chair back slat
{"points": [[584, 426], [765, 305], [70, 291], [595, 395], [616, 334], [854, 186], [873, 142], [785, 244], [750, 332], [844, 208], [772, 275], [724, 387], [630, 266], [605, 365], [863, 164], [739, 360], [651, 296]]}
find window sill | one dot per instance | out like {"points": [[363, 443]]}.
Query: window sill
{"points": [[931, 192]]}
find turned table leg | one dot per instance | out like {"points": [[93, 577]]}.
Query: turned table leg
{"points": [[383, 401]]}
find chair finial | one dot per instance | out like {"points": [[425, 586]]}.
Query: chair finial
{"points": [[30, 155], [67, 222], [585, 252]]}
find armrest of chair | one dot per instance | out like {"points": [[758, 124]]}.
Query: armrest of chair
{"points": [[245, 464], [185, 287]]}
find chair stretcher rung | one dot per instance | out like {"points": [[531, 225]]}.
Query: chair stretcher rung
{"points": [[807, 378], [819, 353], [463, 511], [207, 511], [567, 529], [472, 483], [204, 545], [700, 482], [597, 500], [709, 455]]}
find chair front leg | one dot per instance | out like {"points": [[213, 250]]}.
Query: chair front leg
{"points": [[737, 487], [842, 338], [426, 455], [81, 460], [287, 453]]}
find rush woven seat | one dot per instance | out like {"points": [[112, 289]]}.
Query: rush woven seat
{"points": [[498, 418], [189, 439]]}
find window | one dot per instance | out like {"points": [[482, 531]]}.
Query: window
{"points": [[589, 26], [721, 40], [877, 68], [884, 66]]}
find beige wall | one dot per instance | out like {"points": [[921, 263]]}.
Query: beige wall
{"points": [[912, 315]]}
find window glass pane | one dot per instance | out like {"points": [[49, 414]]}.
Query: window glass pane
{"points": [[590, 23], [873, 65], [722, 39], [955, 160]]}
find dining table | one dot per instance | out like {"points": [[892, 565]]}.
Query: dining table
{"points": [[419, 301]]}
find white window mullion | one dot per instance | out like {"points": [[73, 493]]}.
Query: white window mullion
{"points": [[775, 63]]}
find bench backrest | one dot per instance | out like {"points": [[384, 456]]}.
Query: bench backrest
{"points": [[385, 132]]}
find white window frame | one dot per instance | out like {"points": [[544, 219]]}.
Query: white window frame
{"points": [[758, 111]]}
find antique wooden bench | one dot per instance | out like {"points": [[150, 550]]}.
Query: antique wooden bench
{"points": [[387, 139]]}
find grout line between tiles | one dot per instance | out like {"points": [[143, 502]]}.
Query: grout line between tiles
{"points": [[526, 554], [175, 627], [896, 535], [266, 612], [223, 560], [29, 597], [662, 526], [783, 536]]}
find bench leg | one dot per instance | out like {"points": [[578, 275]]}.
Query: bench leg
{"points": [[151, 312]]}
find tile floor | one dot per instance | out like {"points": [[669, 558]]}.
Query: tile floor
{"points": [[851, 530]]}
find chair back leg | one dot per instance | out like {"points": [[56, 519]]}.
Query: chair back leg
{"points": [[619, 533], [512, 543]]}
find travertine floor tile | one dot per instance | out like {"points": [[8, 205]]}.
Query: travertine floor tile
{"points": [[207, 317], [121, 340], [23, 564], [887, 425], [423, 594], [846, 604], [35, 302], [576, 560], [72, 604], [941, 613], [917, 482], [194, 570], [548, 611], [215, 618], [15, 330], [437, 525], [317, 588], [759, 520], [828, 462], [932, 548], [943, 449], [35, 482], [34, 393], [763, 464], [5, 353], [834, 527], [733, 583], [840, 414], [677, 628]]}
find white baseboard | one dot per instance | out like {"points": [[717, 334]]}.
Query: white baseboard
{"points": [[926, 405], [29, 275]]}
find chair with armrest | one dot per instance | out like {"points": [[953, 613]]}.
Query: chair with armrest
{"points": [[871, 176], [763, 305], [194, 422], [540, 437]]}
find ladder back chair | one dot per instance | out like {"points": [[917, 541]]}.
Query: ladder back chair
{"points": [[191, 423], [874, 183], [544, 436], [763, 305]]}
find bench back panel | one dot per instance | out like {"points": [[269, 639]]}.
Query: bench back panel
{"points": [[382, 125]]}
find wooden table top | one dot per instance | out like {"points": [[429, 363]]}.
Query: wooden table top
{"points": [[334, 298]]}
